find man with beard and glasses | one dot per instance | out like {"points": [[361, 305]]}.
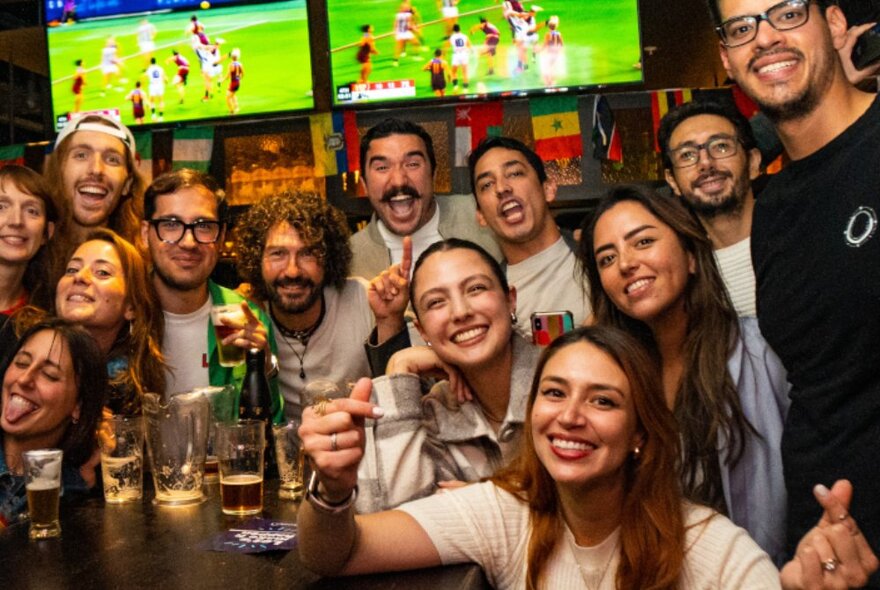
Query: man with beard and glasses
{"points": [[184, 225], [398, 172], [293, 250], [815, 248], [710, 157]]}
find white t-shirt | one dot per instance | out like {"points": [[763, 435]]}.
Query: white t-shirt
{"points": [[335, 351], [185, 347], [735, 264], [548, 281], [483, 524], [422, 238]]}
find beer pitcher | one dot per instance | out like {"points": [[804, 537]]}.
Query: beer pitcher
{"points": [[177, 434]]}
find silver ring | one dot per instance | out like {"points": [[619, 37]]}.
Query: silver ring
{"points": [[333, 446], [830, 565]]}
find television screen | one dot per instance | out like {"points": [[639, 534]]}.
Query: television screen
{"points": [[199, 61], [392, 50]]}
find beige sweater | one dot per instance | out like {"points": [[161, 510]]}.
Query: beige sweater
{"points": [[486, 525]]}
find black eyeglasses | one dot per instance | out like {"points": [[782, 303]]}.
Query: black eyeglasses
{"points": [[718, 148], [172, 231], [784, 16]]}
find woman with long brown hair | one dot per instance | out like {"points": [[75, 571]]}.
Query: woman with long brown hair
{"points": [[106, 289], [651, 272], [592, 501]]}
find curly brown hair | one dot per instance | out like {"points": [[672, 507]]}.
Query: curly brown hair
{"points": [[317, 222]]}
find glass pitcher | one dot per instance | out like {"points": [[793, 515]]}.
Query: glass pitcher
{"points": [[177, 434]]}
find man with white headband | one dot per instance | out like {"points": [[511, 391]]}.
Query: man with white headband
{"points": [[93, 169]]}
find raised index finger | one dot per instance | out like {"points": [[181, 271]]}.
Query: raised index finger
{"points": [[406, 260]]}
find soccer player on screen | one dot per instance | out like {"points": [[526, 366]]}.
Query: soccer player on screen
{"points": [[79, 80], [157, 79], [234, 74], [552, 49], [449, 10], [179, 79], [461, 55], [110, 61], [490, 44], [146, 39], [439, 73], [366, 50], [137, 99], [196, 32], [405, 30], [209, 63]]}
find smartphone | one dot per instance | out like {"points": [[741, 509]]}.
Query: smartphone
{"points": [[547, 325], [867, 48]]}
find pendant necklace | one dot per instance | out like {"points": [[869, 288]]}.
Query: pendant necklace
{"points": [[301, 336]]}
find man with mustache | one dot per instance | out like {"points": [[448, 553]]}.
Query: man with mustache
{"points": [[294, 251], [710, 157], [398, 164], [815, 248], [184, 226]]}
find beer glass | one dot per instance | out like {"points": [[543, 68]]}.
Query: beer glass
{"points": [[222, 400], [121, 439], [291, 460], [240, 447], [231, 355], [42, 471]]}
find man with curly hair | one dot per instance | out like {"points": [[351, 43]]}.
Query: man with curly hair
{"points": [[294, 251]]}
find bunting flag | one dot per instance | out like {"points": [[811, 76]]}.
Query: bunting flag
{"points": [[744, 104], [606, 138], [557, 127], [192, 148], [662, 101], [12, 154], [144, 156], [352, 141], [473, 123], [327, 143]]}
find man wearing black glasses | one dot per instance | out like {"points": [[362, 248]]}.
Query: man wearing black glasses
{"points": [[816, 251], [710, 158], [184, 225]]}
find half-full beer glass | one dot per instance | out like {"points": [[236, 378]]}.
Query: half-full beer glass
{"points": [[42, 471], [240, 447]]}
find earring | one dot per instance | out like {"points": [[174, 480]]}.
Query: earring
{"points": [[513, 317], [74, 419], [637, 453]]}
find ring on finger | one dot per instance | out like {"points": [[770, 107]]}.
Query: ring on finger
{"points": [[333, 446], [830, 565]]}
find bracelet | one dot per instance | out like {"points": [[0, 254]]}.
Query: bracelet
{"points": [[314, 498]]}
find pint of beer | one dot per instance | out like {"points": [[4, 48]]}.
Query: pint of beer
{"points": [[230, 355], [240, 447], [43, 484]]}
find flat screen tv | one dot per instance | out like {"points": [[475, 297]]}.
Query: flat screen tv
{"points": [[165, 61], [410, 50]]}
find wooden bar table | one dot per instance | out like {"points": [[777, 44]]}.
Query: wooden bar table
{"points": [[141, 545]]}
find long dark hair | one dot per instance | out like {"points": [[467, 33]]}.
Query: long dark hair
{"points": [[707, 403], [78, 441], [652, 526]]}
